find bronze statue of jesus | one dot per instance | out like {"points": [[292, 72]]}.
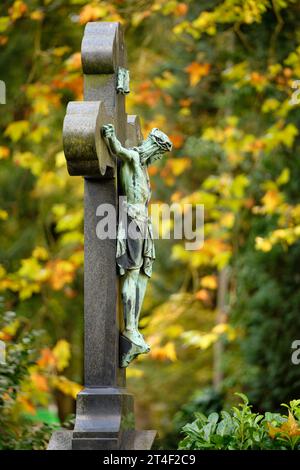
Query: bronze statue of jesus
{"points": [[135, 245]]}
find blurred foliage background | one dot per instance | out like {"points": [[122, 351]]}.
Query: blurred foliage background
{"points": [[219, 78]]}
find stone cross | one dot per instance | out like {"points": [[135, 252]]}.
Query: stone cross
{"points": [[104, 409]]}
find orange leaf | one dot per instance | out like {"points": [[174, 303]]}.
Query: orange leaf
{"points": [[203, 295], [181, 9], [47, 358], [177, 140], [196, 71], [40, 382]]}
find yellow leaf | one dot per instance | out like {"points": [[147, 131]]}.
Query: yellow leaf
{"points": [[37, 15], [4, 23], [18, 9], [66, 386], [263, 244], [133, 372], [40, 253], [227, 220], [289, 428], [3, 215], [179, 165], [270, 105], [11, 329], [60, 160], [29, 161], [38, 134], [31, 269], [16, 130], [2, 271], [4, 152], [271, 200], [284, 177], [209, 282], [166, 352], [60, 51], [27, 289], [70, 221], [62, 354], [92, 13]]}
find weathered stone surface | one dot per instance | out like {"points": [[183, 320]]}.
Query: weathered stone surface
{"points": [[61, 440], [103, 412], [101, 326], [130, 440], [134, 132], [84, 148], [102, 48]]}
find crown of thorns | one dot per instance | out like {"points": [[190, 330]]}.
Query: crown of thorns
{"points": [[161, 139]]}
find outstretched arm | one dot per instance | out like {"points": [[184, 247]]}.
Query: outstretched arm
{"points": [[115, 147]]}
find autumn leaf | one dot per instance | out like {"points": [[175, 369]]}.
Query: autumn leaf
{"points": [[62, 354], [203, 295], [209, 282], [289, 428], [62, 272], [197, 71], [179, 165], [4, 23], [46, 359], [181, 9], [177, 140], [166, 352], [73, 63], [40, 253], [271, 200], [92, 13], [40, 382], [4, 152], [29, 161], [37, 15], [27, 404], [3, 215], [10, 330], [66, 386], [16, 130], [18, 9], [263, 244]]}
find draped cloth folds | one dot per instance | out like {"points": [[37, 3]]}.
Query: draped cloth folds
{"points": [[135, 244]]}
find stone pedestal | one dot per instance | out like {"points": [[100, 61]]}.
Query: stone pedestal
{"points": [[130, 440]]}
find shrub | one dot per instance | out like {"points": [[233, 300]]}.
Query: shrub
{"points": [[17, 430], [242, 429]]}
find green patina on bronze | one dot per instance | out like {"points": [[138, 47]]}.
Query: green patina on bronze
{"points": [[123, 81], [135, 245]]}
